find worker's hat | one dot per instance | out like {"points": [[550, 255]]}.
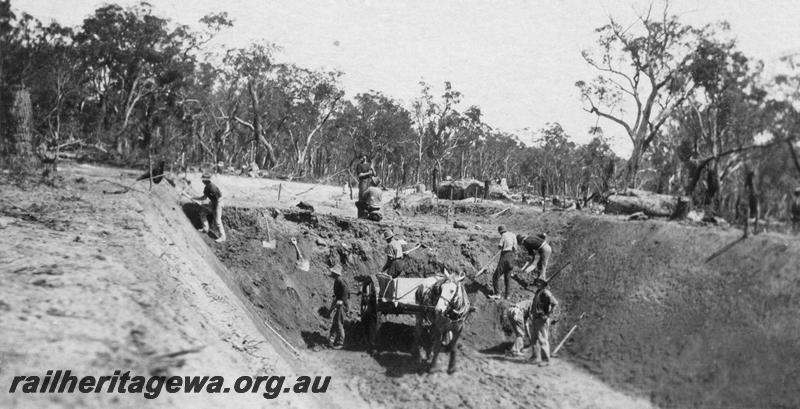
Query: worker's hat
{"points": [[388, 234], [539, 282], [520, 238], [206, 176], [335, 271], [797, 190], [501, 229]]}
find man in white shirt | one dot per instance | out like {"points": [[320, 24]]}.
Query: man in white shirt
{"points": [[508, 248]]}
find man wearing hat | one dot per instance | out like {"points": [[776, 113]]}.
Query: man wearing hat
{"points": [[213, 194], [395, 256], [796, 210], [515, 321], [339, 306], [542, 308], [508, 248], [537, 246]]}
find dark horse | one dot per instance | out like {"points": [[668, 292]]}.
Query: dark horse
{"points": [[446, 307]]}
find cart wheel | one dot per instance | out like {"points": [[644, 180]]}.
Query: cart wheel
{"points": [[370, 316]]}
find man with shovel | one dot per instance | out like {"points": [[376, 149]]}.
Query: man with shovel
{"points": [[508, 248], [339, 306], [542, 309], [213, 194], [537, 246], [515, 320], [395, 262]]}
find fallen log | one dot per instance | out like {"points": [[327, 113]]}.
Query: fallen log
{"points": [[651, 204]]}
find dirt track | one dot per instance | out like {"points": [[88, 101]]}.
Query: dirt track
{"points": [[664, 326]]}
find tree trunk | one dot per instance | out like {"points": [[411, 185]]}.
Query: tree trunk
{"points": [[632, 167], [22, 118]]}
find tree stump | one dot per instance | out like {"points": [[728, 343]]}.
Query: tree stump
{"points": [[24, 159]]}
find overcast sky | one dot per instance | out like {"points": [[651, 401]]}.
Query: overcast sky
{"points": [[517, 60]]}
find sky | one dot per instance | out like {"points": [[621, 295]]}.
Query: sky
{"points": [[517, 60]]}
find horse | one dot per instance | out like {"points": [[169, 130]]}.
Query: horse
{"points": [[446, 306]]}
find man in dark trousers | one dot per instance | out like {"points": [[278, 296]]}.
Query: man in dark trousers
{"points": [[508, 248], [542, 309], [339, 306], [364, 172], [537, 246], [395, 256], [214, 196]]}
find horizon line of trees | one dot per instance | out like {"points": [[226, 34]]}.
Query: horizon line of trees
{"points": [[130, 84]]}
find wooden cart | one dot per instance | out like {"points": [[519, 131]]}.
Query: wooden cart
{"points": [[382, 295]]}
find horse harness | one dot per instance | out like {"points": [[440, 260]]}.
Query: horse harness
{"points": [[453, 313]]}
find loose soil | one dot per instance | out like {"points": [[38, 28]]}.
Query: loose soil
{"points": [[676, 315]]}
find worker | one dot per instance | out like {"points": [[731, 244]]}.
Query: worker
{"points": [[796, 210], [395, 257], [339, 306], [364, 172], [542, 309], [538, 247], [214, 196], [370, 204], [508, 248], [516, 320]]}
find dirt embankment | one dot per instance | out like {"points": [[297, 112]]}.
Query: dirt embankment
{"points": [[663, 318], [693, 317], [95, 282], [291, 298]]}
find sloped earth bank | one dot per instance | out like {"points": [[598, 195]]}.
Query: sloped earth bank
{"points": [[676, 316], [95, 282]]}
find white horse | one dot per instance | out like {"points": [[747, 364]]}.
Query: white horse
{"points": [[446, 307]]}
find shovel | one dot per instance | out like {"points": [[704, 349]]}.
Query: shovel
{"points": [[301, 263], [269, 243]]}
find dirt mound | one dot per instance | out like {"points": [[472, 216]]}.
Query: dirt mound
{"points": [[695, 317], [663, 317]]}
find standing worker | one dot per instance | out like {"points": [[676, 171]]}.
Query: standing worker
{"points": [[796, 211], [395, 256], [537, 246], [542, 308], [515, 320], [339, 306], [364, 172], [508, 248], [214, 196]]}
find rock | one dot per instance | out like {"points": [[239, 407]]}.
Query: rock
{"points": [[695, 216], [305, 206], [459, 225], [321, 242]]}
